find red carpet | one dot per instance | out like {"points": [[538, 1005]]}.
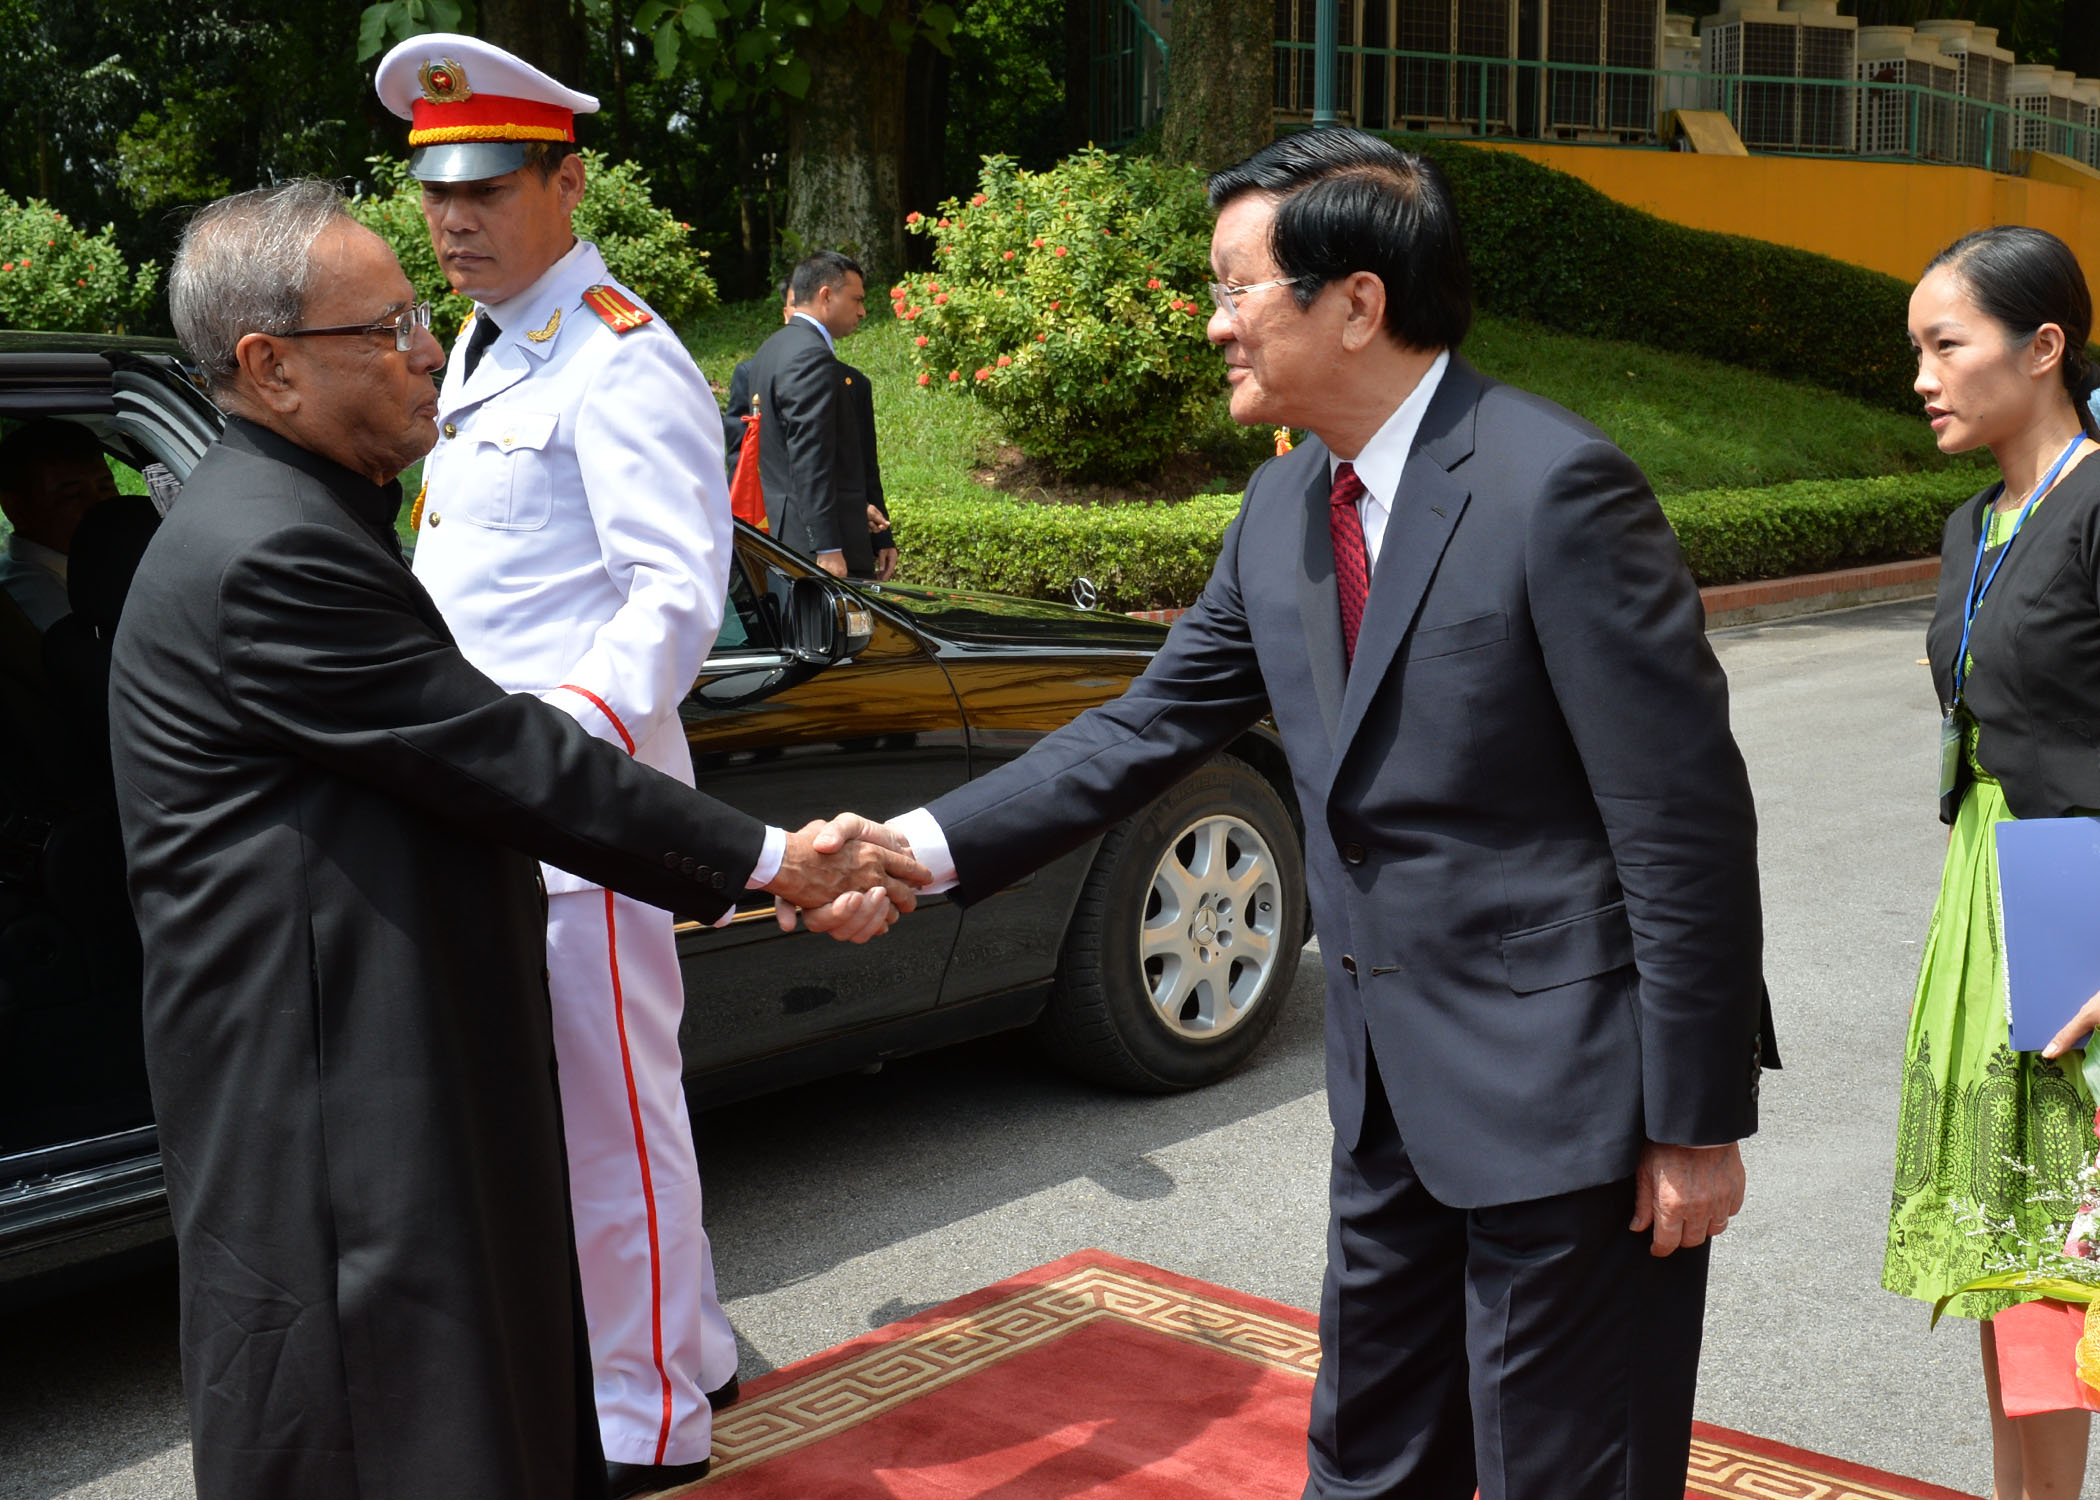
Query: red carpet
{"points": [[1104, 1378]]}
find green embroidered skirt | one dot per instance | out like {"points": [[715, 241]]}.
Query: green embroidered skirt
{"points": [[1983, 1130]]}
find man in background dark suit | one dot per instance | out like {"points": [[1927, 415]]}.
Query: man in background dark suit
{"points": [[859, 470], [1530, 840], [810, 462]]}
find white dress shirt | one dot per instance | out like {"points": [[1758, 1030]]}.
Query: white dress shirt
{"points": [[1378, 466]]}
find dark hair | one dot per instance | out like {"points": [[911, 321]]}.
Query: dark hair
{"points": [[1350, 202], [40, 441], [825, 268], [546, 157], [787, 288], [2022, 278]]}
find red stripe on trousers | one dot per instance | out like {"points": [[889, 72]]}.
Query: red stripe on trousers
{"points": [[603, 708], [641, 1151]]}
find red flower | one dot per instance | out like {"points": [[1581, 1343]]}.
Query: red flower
{"points": [[920, 341], [1042, 338], [923, 379], [1152, 285], [1175, 305], [25, 265], [1008, 255], [51, 244], [943, 297], [944, 224], [8, 267], [81, 282], [1060, 250], [984, 374], [913, 218], [914, 312], [978, 201], [1053, 307], [955, 375], [998, 291], [1004, 361], [933, 286], [1035, 244]]}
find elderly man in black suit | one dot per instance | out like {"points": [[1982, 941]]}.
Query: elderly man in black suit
{"points": [[333, 825], [1530, 839]]}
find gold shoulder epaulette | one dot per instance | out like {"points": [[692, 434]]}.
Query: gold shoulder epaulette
{"points": [[620, 312]]}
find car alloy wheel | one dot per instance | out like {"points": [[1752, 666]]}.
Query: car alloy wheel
{"points": [[1211, 922]]}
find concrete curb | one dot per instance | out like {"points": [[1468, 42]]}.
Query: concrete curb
{"points": [[1730, 604]]}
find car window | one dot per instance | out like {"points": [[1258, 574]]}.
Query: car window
{"points": [[744, 627]]}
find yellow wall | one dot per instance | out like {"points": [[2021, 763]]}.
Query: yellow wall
{"points": [[1891, 216]]}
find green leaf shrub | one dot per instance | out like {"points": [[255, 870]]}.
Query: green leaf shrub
{"points": [[645, 248], [1547, 246], [1812, 525], [1072, 303], [57, 277], [1158, 556]]}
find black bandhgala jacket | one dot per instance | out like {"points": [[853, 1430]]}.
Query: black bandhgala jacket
{"points": [[332, 824]]}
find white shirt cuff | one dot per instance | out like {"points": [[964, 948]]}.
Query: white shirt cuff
{"points": [[770, 853], [929, 846]]}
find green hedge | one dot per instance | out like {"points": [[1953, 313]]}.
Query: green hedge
{"points": [[1549, 247], [1157, 556]]}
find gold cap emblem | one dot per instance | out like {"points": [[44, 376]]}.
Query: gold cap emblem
{"points": [[444, 81]]}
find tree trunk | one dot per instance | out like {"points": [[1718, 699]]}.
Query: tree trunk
{"points": [[1079, 74], [846, 145], [546, 33], [2080, 48], [924, 178], [1220, 77], [754, 263]]}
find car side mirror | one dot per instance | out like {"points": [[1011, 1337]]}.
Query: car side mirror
{"points": [[825, 623]]}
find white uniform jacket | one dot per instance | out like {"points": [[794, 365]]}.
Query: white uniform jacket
{"points": [[575, 519]]}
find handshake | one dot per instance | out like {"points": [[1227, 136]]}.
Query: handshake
{"points": [[848, 877]]}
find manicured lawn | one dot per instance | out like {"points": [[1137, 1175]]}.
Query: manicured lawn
{"points": [[1691, 424]]}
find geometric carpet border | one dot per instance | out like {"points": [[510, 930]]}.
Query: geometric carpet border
{"points": [[858, 1381]]}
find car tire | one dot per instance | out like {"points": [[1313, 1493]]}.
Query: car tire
{"points": [[1185, 939]]}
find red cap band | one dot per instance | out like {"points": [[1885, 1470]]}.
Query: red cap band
{"points": [[489, 117]]}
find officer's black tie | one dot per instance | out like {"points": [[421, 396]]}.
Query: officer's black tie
{"points": [[485, 331]]}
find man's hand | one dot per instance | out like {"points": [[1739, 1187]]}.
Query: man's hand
{"points": [[885, 565], [833, 563], [852, 888], [1688, 1193], [850, 828], [2087, 1018]]}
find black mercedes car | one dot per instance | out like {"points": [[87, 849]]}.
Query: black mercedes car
{"points": [[1155, 959]]}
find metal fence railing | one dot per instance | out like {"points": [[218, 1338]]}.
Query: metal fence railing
{"points": [[1387, 88], [1127, 71]]}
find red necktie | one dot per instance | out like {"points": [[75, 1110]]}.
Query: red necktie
{"points": [[1352, 564]]}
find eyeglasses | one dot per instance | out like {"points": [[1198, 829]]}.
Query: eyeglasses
{"points": [[1227, 297], [401, 325]]}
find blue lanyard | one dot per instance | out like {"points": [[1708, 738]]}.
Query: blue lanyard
{"points": [[1983, 536]]}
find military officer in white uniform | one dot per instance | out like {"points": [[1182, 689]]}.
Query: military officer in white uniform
{"points": [[574, 527]]}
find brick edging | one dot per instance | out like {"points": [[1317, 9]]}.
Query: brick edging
{"points": [[1774, 598]]}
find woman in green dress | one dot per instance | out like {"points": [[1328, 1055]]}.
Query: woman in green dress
{"points": [[2000, 323]]}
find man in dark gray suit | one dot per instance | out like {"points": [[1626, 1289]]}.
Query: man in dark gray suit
{"points": [[809, 447], [1530, 840]]}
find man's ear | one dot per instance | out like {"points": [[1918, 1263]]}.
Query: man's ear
{"points": [[569, 181], [1364, 317], [260, 357]]}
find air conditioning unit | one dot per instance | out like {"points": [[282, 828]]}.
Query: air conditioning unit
{"points": [[2028, 93], [1430, 93], [2064, 108], [1799, 63], [1680, 60], [1982, 71], [2087, 92], [1897, 119]]}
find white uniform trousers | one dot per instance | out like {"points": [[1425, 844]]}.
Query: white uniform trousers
{"points": [[659, 1338]]}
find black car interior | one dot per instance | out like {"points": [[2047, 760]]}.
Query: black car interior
{"points": [[71, 1059]]}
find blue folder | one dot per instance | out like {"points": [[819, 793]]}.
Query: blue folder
{"points": [[2049, 876]]}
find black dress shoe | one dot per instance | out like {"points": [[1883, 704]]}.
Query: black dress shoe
{"points": [[622, 1480], [725, 1395]]}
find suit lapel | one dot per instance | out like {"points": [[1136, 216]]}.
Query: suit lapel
{"points": [[1425, 512], [1319, 603]]}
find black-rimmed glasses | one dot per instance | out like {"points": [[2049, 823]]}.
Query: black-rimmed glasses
{"points": [[402, 325]]}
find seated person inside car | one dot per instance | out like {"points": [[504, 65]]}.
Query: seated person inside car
{"points": [[51, 474]]}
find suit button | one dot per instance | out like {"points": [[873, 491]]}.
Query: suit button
{"points": [[719, 881], [1349, 965], [1353, 854], [685, 867], [671, 860], [435, 518], [452, 429], [701, 872]]}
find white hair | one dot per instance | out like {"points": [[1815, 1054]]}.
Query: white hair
{"points": [[245, 266]]}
